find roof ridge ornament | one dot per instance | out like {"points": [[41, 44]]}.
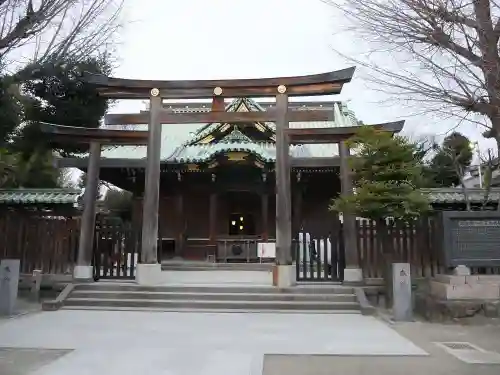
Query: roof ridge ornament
{"points": [[236, 136]]}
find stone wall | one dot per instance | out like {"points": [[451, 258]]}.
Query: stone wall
{"points": [[458, 297]]}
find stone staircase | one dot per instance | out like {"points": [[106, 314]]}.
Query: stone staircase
{"points": [[129, 296]]}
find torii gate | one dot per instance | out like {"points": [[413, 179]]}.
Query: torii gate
{"points": [[149, 270]]}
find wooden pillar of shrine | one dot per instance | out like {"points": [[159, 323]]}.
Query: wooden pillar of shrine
{"points": [[180, 223], [352, 271], [283, 274], [297, 209], [213, 218], [149, 271], [83, 269], [264, 204]]}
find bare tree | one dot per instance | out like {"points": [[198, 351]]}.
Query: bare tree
{"points": [[446, 50], [50, 30]]}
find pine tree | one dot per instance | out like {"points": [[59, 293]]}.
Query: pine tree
{"points": [[387, 178]]}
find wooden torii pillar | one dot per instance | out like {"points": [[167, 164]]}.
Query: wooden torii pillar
{"points": [[156, 91], [352, 272], [83, 270]]}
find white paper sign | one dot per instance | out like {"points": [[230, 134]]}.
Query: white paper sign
{"points": [[266, 249]]}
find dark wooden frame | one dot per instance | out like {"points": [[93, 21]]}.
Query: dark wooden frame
{"points": [[73, 162], [340, 135], [281, 88], [309, 85], [156, 91], [446, 217], [95, 137]]}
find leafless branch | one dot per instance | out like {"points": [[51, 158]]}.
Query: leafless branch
{"points": [[434, 53], [49, 30]]}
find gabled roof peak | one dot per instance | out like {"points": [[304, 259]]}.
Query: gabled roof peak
{"points": [[236, 136]]}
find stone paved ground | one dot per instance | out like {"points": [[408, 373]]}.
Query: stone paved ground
{"points": [[24, 306], [439, 362], [123, 343], [15, 361], [41, 343]]}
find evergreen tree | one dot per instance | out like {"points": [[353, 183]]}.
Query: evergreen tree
{"points": [[82, 182], [386, 177], [58, 95], [453, 157], [119, 203]]}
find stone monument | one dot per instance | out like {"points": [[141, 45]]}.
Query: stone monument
{"points": [[402, 308], [9, 281]]}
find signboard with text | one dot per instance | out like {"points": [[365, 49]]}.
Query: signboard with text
{"points": [[471, 238]]}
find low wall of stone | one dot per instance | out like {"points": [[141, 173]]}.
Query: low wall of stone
{"points": [[458, 297]]}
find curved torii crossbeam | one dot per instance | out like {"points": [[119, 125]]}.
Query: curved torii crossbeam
{"points": [[101, 136], [308, 85]]}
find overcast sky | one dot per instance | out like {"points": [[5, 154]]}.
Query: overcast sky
{"points": [[200, 39]]}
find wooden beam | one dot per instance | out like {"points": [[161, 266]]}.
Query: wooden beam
{"points": [[87, 225], [335, 134], [218, 104], [309, 85], [76, 134], [312, 162], [180, 223], [264, 204], [283, 185], [212, 218], [169, 117], [149, 248], [349, 220], [297, 210]]}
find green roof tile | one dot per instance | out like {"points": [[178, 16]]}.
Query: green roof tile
{"points": [[184, 147], [39, 196], [455, 195]]}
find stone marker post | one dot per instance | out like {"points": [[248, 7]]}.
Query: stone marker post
{"points": [[402, 308], [36, 283], [9, 281]]}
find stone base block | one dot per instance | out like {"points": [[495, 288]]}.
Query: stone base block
{"points": [[353, 275], [83, 273], [148, 274], [483, 279], [465, 291], [451, 279], [438, 310], [472, 279], [461, 271], [284, 276]]}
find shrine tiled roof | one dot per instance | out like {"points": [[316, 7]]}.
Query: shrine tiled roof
{"points": [[234, 141], [456, 195], [188, 146], [39, 196]]}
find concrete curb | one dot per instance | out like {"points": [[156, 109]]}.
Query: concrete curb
{"points": [[56, 304], [365, 305]]}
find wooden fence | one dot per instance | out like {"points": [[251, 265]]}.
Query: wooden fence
{"points": [[41, 242], [417, 243], [50, 244]]}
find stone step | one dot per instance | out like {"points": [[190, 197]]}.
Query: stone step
{"points": [[213, 304], [206, 266], [208, 311], [210, 289], [183, 295]]}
